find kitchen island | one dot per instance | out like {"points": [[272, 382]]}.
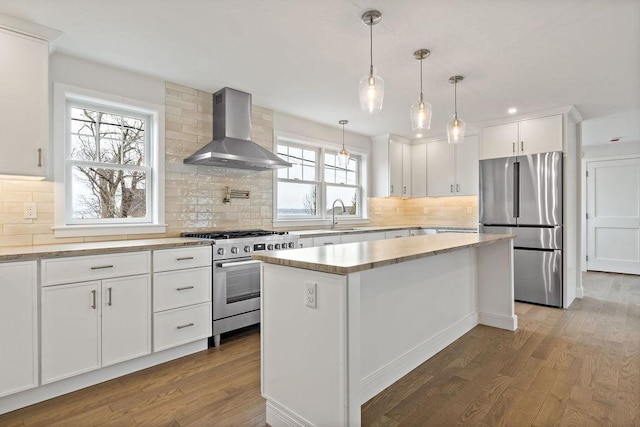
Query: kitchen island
{"points": [[341, 323]]}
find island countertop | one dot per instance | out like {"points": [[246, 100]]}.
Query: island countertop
{"points": [[354, 257]]}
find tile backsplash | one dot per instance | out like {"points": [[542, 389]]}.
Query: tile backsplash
{"points": [[453, 211]]}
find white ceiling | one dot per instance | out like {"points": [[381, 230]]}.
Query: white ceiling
{"points": [[306, 57]]}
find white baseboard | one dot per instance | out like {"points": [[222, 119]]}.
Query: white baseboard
{"points": [[279, 416], [509, 323], [58, 388], [402, 365], [580, 292]]}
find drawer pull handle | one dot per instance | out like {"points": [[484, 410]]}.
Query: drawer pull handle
{"points": [[184, 288], [101, 267], [93, 294], [184, 258], [39, 157], [185, 326]]}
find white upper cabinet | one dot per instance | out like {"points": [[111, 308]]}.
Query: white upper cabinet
{"points": [[391, 166], [530, 136], [452, 169], [24, 100], [419, 170]]}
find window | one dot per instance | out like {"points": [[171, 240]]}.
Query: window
{"points": [[107, 162], [107, 165], [308, 189]]}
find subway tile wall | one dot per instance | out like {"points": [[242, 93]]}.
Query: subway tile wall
{"points": [[453, 211]]}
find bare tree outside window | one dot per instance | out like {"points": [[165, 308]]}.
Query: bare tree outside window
{"points": [[108, 165]]}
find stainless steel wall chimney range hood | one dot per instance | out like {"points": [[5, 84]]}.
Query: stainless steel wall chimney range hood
{"points": [[231, 146]]}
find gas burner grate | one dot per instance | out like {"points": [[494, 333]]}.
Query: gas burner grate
{"points": [[236, 234]]}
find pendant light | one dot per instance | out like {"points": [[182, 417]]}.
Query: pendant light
{"points": [[421, 111], [371, 85], [343, 156], [455, 128]]}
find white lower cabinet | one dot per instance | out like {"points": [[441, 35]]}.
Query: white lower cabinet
{"points": [[181, 296], [305, 242], [89, 325], [18, 327], [396, 233]]}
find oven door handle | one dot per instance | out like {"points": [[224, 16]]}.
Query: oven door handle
{"points": [[237, 263]]}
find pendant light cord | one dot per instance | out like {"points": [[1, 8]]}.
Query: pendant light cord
{"points": [[343, 136], [370, 45], [455, 98], [421, 79]]}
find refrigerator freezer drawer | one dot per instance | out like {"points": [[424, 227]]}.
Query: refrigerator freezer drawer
{"points": [[538, 276], [530, 237]]}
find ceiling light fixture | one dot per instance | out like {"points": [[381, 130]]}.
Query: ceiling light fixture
{"points": [[421, 111], [343, 156], [371, 86], [512, 110], [455, 128]]}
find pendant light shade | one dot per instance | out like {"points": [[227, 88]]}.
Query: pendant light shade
{"points": [[343, 155], [371, 86], [421, 111], [455, 128]]}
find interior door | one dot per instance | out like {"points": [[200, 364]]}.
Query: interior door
{"points": [[613, 208]]}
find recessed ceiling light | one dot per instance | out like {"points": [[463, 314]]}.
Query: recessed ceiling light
{"points": [[418, 135], [512, 110]]}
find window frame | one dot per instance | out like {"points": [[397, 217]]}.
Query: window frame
{"points": [[66, 96], [321, 147]]}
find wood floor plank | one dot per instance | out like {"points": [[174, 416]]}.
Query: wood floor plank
{"points": [[554, 405]]}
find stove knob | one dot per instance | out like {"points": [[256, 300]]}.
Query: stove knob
{"points": [[277, 245], [269, 247], [290, 245], [234, 250], [220, 251], [247, 249]]}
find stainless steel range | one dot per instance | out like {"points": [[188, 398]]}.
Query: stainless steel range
{"points": [[236, 277]]}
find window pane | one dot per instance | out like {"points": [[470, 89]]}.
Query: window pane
{"points": [[108, 193], [297, 199], [84, 148], [349, 197]]}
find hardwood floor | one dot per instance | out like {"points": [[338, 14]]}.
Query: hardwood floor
{"points": [[576, 367]]}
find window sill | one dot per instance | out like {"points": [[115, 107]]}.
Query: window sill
{"points": [[108, 230], [281, 223]]}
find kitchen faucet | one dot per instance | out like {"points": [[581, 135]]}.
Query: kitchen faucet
{"points": [[333, 211]]}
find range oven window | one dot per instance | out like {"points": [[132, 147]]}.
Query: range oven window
{"points": [[242, 284]]}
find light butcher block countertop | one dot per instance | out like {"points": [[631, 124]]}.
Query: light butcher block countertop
{"points": [[353, 257], [13, 253]]}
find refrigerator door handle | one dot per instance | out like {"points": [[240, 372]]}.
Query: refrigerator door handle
{"points": [[516, 189]]}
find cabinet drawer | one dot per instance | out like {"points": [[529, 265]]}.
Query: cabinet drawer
{"points": [[179, 258], [56, 271], [327, 240], [396, 233], [179, 288], [181, 325]]}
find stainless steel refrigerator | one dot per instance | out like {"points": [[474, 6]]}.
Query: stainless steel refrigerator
{"points": [[522, 195]]}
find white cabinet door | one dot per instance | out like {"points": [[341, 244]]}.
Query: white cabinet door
{"points": [[541, 135], [70, 330], [499, 141], [24, 113], [419, 170], [126, 318], [440, 169], [406, 170], [396, 233], [467, 166], [395, 168], [18, 327]]}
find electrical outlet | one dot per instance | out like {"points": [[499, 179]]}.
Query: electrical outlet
{"points": [[310, 294], [30, 211]]}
